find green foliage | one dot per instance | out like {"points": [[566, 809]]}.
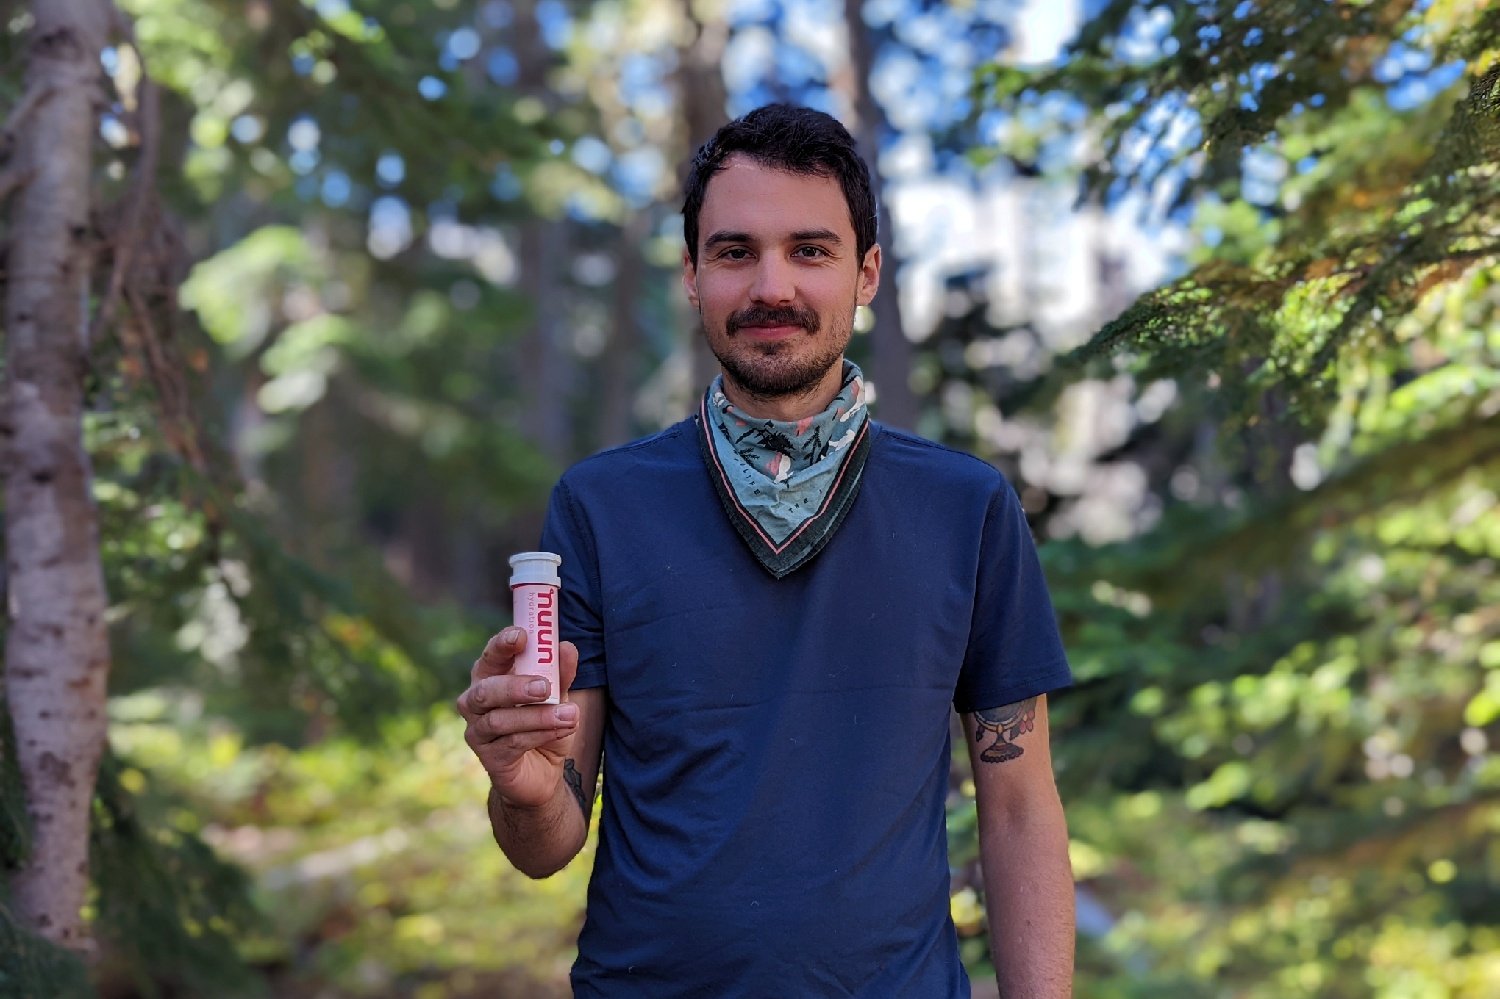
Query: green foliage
{"points": [[206, 597], [1296, 693], [1279, 760], [271, 63], [1240, 73], [32, 968], [169, 910], [15, 831], [375, 869], [1236, 93], [242, 576]]}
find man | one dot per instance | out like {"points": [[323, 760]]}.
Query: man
{"points": [[773, 607]]}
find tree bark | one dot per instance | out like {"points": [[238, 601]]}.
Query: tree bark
{"points": [[56, 648], [704, 101], [618, 363], [546, 362], [890, 351], [547, 374]]}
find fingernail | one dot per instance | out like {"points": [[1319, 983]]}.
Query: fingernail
{"points": [[510, 636], [566, 713], [537, 688]]}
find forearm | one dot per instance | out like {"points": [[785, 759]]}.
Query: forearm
{"points": [[539, 841], [1028, 884]]}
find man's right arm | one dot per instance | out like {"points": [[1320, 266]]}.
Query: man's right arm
{"points": [[542, 759], [540, 840]]}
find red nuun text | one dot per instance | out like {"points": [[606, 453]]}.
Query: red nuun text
{"points": [[546, 632]]}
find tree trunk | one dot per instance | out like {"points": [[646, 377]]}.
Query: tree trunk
{"points": [[546, 362], [890, 350], [621, 357], [56, 648], [704, 100]]}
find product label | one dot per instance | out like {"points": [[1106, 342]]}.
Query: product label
{"points": [[534, 608]]}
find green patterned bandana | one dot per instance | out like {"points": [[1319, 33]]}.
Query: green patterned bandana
{"points": [[786, 486]]}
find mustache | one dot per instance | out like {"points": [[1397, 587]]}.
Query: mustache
{"points": [[766, 315]]}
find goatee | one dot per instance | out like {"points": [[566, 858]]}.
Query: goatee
{"points": [[775, 370]]}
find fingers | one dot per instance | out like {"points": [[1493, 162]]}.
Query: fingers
{"points": [[507, 750], [501, 692], [543, 722], [499, 656], [504, 710], [499, 653]]}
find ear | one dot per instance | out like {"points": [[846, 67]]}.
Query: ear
{"points": [[869, 276], [689, 278]]}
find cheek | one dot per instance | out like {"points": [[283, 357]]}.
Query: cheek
{"points": [[717, 297]]}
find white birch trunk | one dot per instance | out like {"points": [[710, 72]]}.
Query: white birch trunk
{"points": [[56, 648]]}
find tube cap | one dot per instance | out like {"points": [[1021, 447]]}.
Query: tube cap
{"points": [[534, 567]]}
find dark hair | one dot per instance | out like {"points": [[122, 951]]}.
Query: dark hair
{"points": [[797, 140]]}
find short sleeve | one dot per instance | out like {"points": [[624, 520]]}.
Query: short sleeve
{"points": [[566, 533], [1015, 650]]}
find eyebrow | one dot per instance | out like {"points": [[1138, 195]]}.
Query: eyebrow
{"points": [[816, 236], [725, 236], [800, 236]]}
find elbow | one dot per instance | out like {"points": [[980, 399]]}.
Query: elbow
{"points": [[538, 872], [540, 868]]}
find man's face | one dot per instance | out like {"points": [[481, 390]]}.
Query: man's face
{"points": [[778, 277]]}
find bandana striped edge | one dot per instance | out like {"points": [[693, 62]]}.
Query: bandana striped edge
{"points": [[808, 539]]}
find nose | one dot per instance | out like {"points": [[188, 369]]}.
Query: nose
{"points": [[774, 281]]}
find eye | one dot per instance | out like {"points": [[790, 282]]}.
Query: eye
{"points": [[810, 252], [734, 253]]}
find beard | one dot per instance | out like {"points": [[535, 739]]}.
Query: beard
{"points": [[784, 368]]}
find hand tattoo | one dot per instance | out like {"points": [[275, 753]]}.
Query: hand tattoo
{"points": [[1009, 722], [574, 780]]}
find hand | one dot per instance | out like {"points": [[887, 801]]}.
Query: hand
{"points": [[521, 743]]}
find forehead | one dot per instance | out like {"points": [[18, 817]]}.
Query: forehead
{"points": [[749, 196]]}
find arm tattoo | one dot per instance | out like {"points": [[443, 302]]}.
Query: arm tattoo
{"points": [[575, 784], [1009, 722]]}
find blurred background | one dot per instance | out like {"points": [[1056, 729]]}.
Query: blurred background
{"points": [[1213, 283]]}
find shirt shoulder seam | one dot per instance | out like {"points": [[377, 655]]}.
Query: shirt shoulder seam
{"points": [[915, 440], [659, 437]]}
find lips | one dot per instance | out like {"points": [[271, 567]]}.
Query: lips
{"points": [[769, 332]]}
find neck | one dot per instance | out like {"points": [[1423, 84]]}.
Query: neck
{"points": [[791, 407]]}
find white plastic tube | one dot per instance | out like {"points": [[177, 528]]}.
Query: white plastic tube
{"points": [[534, 587]]}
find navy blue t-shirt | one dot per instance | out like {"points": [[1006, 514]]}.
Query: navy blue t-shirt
{"points": [[776, 752]]}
